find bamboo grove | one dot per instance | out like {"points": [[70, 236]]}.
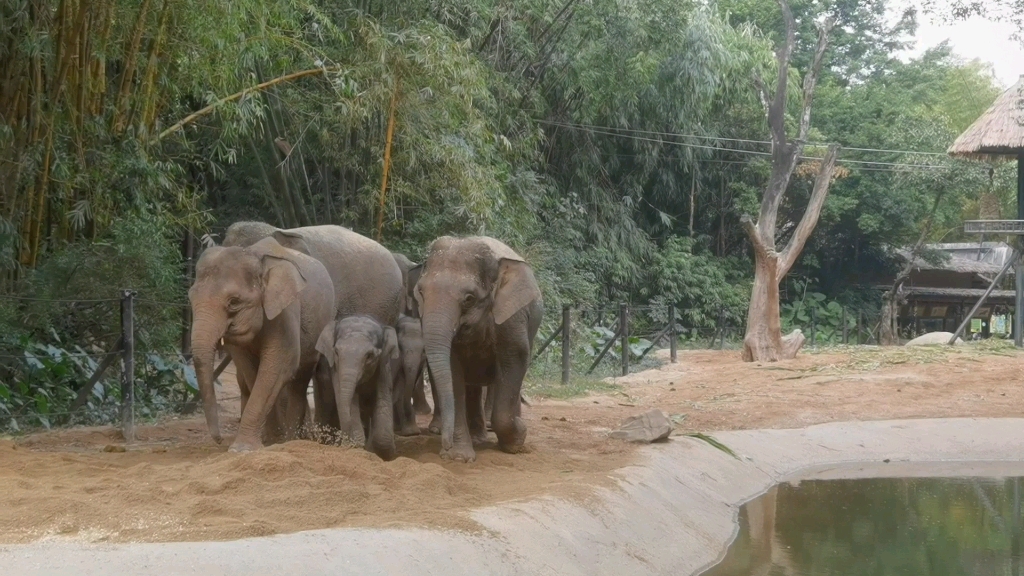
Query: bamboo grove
{"points": [[617, 144]]}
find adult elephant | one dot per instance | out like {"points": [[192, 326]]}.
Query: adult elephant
{"points": [[366, 277], [410, 275], [268, 304], [481, 308]]}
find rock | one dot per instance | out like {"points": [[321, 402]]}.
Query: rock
{"points": [[933, 339], [113, 448], [651, 426]]}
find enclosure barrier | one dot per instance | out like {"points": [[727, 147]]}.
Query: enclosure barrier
{"points": [[849, 331]]}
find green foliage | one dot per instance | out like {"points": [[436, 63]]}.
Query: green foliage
{"points": [[814, 311]]}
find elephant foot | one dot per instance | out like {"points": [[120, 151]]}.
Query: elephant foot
{"points": [[512, 436], [464, 454], [409, 429], [479, 437], [435, 425], [245, 445], [386, 453]]}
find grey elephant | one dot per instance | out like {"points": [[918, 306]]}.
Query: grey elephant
{"points": [[366, 277], [268, 303], [481, 307], [359, 360], [410, 275], [409, 375]]}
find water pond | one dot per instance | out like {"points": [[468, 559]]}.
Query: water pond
{"points": [[880, 527]]}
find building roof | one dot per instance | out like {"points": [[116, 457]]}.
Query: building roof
{"points": [[985, 258], [998, 133], [958, 293]]}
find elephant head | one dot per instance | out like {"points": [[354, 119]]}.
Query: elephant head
{"points": [[235, 292], [361, 354], [467, 286]]}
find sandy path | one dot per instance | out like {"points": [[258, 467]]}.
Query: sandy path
{"points": [[175, 484]]}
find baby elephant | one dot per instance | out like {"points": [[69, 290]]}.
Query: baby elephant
{"points": [[410, 373], [360, 356]]}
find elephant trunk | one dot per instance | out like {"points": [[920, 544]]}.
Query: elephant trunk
{"points": [[346, 378], [206, 332], [438, 332]]}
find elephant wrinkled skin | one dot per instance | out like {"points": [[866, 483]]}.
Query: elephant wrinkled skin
{"points": [[267, 303], [481, 308]]}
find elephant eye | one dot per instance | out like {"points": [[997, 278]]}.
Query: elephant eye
{"points": [[469, 299], [234, 304]]}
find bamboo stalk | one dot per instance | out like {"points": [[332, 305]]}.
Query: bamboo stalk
{"points": [[99, 65], [237, 95], [44, 178], [387, 162], [67, 53], [129, 68], [149, 79]]}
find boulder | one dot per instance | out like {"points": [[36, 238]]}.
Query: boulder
{"points": [[933, 339], [651, 426]]}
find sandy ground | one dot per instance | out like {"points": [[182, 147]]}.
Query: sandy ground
{"points": [[174, 484]]}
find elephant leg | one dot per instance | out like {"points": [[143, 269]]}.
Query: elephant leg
{"points": [[419, 395], [246, 367], [435, 423], [489, 405], [405, 416], [462, 442], [382, 431], [325, 411], [271, 377], [475, 414], [297, 403], [509, 427]]}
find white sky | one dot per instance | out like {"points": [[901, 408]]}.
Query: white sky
{"points": [[976, 38]]}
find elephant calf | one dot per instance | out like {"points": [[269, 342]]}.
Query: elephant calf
{"points": [[359, 358], [410, 373]]}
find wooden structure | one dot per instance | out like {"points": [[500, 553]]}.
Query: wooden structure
{"points": [[942, 288], [998, 135]]}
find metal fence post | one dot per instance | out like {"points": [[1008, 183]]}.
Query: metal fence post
{"points": [[846, 331], [186, 311], [860, 324], [128, 369], [672, 337], [566, 343], [624, 323]]}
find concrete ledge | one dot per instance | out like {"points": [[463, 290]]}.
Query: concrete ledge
{"points": [[673, 514]]}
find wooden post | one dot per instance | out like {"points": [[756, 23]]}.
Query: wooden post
{"points": [[846, 331], [128, 369], [672, 336], [624, 323], [721, 328], [566, 343], [860, 324]]}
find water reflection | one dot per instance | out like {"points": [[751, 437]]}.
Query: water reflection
{"points": [[880, 527]]}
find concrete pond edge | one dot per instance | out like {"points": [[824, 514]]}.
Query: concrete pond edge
{"points": [[673, 513]]}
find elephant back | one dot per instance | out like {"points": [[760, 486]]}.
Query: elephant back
{"points": [[367, 279]]}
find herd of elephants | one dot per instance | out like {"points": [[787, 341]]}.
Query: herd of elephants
{"points": [[326, 304]]}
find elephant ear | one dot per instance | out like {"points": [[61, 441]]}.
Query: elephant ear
{"points": [[282, 281], [414, 304], [516, 287], [390, 352], [293, 240], [325, 343]]}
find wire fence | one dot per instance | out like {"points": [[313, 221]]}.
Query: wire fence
{"points": [[625, 334], [111, 381]]}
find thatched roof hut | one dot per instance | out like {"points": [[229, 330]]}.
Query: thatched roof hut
{"points": [[999, 133]]}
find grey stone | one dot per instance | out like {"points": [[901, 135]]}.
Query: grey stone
{"points": [[933, 339], [651, 426]]}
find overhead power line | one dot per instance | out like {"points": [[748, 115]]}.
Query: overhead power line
{"points": [[612, 132]]}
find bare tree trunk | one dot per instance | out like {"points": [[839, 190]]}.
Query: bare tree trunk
{"points": [[763, 341]]}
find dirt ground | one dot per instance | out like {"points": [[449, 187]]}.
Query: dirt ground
{"points": [[175, 484]]}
